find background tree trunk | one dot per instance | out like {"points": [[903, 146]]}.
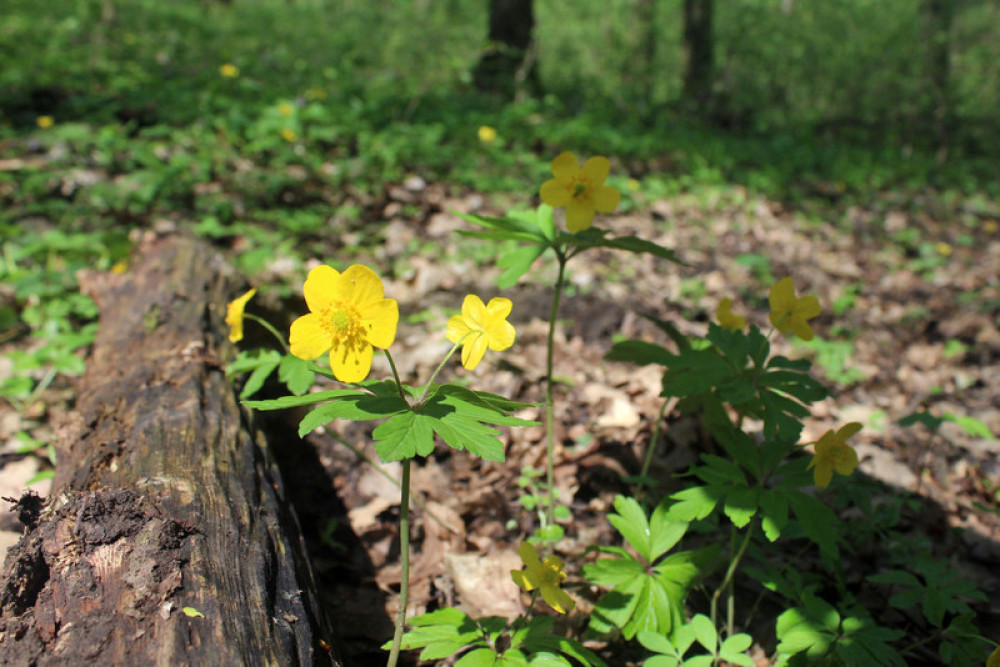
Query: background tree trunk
{"points": [[508, 65], [164, 498], [939, 16], [699, 49]]}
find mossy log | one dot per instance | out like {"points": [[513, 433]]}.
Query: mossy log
{"points": [[167, 539]]}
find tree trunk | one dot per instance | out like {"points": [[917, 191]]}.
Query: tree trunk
{"points": [[168, 540], [699, 48], [938, 20], [508, 65]]}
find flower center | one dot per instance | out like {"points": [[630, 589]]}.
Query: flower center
{"points": [[343, 323], [580, 189]]}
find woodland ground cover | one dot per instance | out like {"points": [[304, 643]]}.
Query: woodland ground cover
{"points": [[311, 146]]}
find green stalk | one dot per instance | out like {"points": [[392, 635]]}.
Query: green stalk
{"points": [[728, 580], [404, 562], [270, 327], [653, 442], [550, 444]]}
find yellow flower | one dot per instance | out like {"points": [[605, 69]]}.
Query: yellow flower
{"points": [[487, 134], [286, 109], [480, 327], [234, 315], [545, 576], [120, 267], [580, 189], [45, 122], [727, 320], [990, 227], [315, 94], [229, 70], [833, 453], [288, 134], [633, 185], [943, 249], [791, 314], [994, 659], [349, 315]]}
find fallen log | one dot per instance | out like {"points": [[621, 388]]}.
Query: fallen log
{"points": [[167, 539]]}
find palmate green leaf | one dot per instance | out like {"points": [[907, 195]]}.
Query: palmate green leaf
{"points": [[481, 657], [694, 372], [863, 642], [308, 399], [664, 534], [679, 339], [632, 524], [515, 263], [356, 407], [696, 502], [539, 640], [612, 572], [512, 228], [442, 634], [404, 435], [480, 406], [597, 238], [773, 512], [741, 505], [296, 373], [259, 363], [817, 520], [460, 432], [797, 385]]}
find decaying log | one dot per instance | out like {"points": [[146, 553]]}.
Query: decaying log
{"points": [[165, 499]]}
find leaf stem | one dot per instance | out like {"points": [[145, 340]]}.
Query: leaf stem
{"points": [[549, 405], [423, 394], [404, 563], [395, 374], [270, 327]]}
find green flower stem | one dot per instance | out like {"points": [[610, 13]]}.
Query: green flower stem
{"points": [[728, 580], [395, 374], [270, 327], [550, 442], [437, 370], [417, 500], [404, 562], [653, 442]]}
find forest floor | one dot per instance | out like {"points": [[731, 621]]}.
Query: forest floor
{"points": [[910, 323]]}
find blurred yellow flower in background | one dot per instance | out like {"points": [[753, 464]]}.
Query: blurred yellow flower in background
{"points": [[288, 135], [728, 320], [789, 313], [229, 70], [545, 576], [349, 315], [487, 134], [580, 189], [834, 454], [286, 109], [45, 122]]}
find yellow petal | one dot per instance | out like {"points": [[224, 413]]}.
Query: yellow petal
{"points": [[579, 216], [474, 311], [557, 598], [797, 327], [596, 169], [994, 659], [234, 315], [555, 194], [360, 286], [457, 328], [498, 308], [782, 296], [500, 335], [307, 338], [320, 288], [521, 580], [473, 350], [848, 430], [823, 473], [808, 307], [606, 198], [351, 364], [380, 319], [565, 166], [848, 461]]}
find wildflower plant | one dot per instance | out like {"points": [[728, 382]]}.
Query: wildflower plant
{"points": [[349, 318]]}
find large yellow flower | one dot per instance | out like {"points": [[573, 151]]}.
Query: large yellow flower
{"points": [[546, 576], [834, 454], [349, 315], [580, 189], [480, 327], [728, 319], [234, 314], [789, 313]]}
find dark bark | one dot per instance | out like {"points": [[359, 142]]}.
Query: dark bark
{"points": [[699, 47], [164, 498], [508, 65], [938, 19]]}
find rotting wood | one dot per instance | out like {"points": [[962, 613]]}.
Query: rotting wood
{"points": [[164, 498]]}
